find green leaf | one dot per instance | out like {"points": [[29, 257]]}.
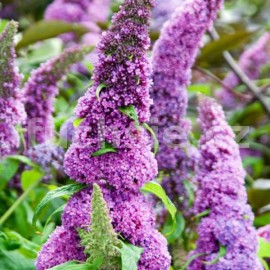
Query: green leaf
{"points": [[131, 112], [60, 209], [191, 259], [265, 264], [203, 214], [222, 252], [25, 247], [106, 148], [8, 168], [3, 24], [264, 248], [179, 228], [157, 189], [74, 265], [29, 178], [130, 256], [13, 260], [46, 50], [99, 89], [77, 122], [151, 131], [48, 29], [67, 190], [262, 220], [204, 89]]}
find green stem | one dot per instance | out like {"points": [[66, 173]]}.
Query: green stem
{"points": [[13, 207]]}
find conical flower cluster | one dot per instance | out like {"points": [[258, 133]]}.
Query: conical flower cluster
{"points": [[221, 192], [110, 147], [40, 92], [11, 107], [173, 57]]}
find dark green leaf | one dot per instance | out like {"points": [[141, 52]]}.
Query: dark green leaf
{"points": [[13, 260], [262, 220], [48, 29], [59, 192], [8, 168], [157, 190], [106, 148], [179, 228]]}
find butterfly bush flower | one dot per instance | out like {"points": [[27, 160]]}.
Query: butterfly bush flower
{"points": [[40, 92], [173, 57], [123, 76], [11, 106], [251, 62], [221, 190]]}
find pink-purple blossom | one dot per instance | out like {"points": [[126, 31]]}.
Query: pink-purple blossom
{"points": [[40, 92], [228, 221], [121, 80], [11, 106], [173, 57]]}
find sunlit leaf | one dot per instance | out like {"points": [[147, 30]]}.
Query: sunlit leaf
{"points": [[28, 178], [130, 255]]}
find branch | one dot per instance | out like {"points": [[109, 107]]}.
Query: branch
{"points": [[219, 81], [255, 91]]}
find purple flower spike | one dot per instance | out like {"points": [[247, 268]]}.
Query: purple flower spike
{"points": [[251, 62], [221, 191], [11, 107], [111, 113], [173, 57], [40, 92]]}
